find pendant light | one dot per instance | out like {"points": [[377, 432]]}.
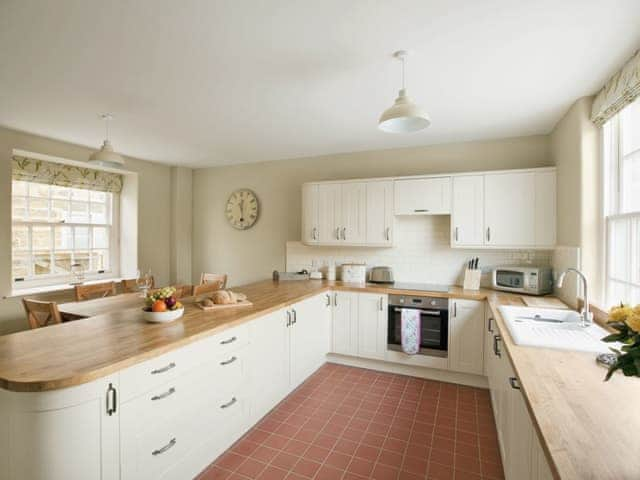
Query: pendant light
{"points": [[106, 156], [403, 116]]}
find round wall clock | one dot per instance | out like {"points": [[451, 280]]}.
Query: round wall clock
{"points": [[242, 209]]}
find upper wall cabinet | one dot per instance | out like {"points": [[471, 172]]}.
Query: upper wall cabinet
{"points": [[504, 210], [349, 213], [423, 196]]}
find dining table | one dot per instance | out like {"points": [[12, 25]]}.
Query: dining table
{"points": [[97, 306]]}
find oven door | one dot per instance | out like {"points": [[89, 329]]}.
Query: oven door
{"points": [[434, 334]]}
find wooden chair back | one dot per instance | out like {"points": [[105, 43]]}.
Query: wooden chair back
{"points": [[41, 314], [219, 278], [183, 290], [132, 285], [206, 288], [96, 290]]}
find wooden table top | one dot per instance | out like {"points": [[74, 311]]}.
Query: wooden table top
{"points": [[99, 306]]}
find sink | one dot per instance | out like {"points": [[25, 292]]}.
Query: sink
{"points": [[553, 328]]}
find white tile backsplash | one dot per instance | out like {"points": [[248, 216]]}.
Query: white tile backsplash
{"points": [[422, 254]]}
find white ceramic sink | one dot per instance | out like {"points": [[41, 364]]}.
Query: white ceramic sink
{"points": [[553, 328]]}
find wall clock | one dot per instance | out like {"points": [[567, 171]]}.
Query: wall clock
{"points": [[242, 209]]}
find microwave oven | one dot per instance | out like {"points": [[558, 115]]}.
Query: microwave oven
{"points": [[528, 280]]}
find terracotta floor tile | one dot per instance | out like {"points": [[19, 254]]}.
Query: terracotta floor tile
{"points": [[329, 473], [230, 461], [384, 472], [251, 468], [272, 473], [214, 473], [439, 472], [306, 468], [338, 460], [360, 466], [264, 453], [316, 453], [390, 458], [286, 461]]}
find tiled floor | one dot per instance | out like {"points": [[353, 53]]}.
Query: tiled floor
{"points": [[352, 424]]}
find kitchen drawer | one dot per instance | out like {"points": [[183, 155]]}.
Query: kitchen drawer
{"points": [[154, 373]]}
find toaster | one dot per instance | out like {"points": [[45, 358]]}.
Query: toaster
{"points": [[354, 272], [381, 275]]}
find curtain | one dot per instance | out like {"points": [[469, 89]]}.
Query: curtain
{"points": [[40, 171], [621, 89]]}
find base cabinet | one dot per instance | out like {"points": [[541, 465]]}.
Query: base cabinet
{"points": [[466, 336], [372, 326], [344, 332]]}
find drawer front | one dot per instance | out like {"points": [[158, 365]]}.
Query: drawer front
{"points": [[154, 373]]}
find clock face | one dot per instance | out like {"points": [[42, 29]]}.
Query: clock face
{"points": [[242, 209]]}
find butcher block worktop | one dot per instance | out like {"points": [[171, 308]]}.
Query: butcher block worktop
{"points": [[587, 427]]}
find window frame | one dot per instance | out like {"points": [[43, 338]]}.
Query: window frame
{"points": [[52, 279]]}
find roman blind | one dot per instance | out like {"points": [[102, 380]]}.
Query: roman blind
{"points": [[40, 171], [621, 89]]}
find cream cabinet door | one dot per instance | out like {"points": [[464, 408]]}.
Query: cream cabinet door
{"points": [[545, 207], [540, 469], [466, 336], [422, 196], [354, 211], [379, 213], [520, 433], [509, 209], [329, 213], [310, 210], [467, 211], [345, 323], [372, 325]]}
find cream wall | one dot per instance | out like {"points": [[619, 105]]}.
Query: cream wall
{"points": [[575, 150], [154, 226], [253, 254]]}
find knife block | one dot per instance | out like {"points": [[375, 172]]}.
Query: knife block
{"points": [[472, 279]]}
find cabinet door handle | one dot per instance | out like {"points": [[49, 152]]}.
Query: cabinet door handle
{"points": [[229, 403], [163, 369], [227, 362], [288, 318], [420, 210], [344, 233], [456, 234], [488, 234], [489, 327], [455, 309], [228, 341], [335, 299], [295, 316], [314, 233], [166, 394], [168, 446], [515, 384], [381, 304], [111, 400], [387, 233], [496, 350], [337, 233], [328, 297]]}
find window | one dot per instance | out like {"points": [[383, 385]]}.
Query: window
{"points": [[55, 227], [621, 148]]}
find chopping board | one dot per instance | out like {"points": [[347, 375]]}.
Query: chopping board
{"points": [[543, 302], [243, 303]]}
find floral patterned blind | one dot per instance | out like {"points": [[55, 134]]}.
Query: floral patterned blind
{"points": [[621, 89], [40, 171]]}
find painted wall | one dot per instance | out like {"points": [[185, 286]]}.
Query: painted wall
{"points": [[575, 150], [253, 254], [154, 226]]}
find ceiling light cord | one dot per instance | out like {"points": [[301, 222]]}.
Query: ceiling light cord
{"points": [[402, 60]]}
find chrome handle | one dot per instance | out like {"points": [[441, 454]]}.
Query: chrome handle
{"points": [[387, 233], [455, 309], [489, 329], [381, 304], [111, 400], [328, 304], [169, 445], [435, 313], [513, 381], [166, 394], [456, 234], [227, 362], [229, 403], [314, 233], [163, 369], [488, 234], [496, 351], [420, 210], [228, 341], [288, 318], [344, 233], [335, 299], [337, 233], [295, 316]]}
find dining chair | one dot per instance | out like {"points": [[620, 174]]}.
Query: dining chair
{"points": [[220, 278], [133, 285], [41, 314], [183, 290], [206, 288], [96, 290]]}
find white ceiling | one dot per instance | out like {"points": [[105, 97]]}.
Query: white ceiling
{"points": [[218, 82]]}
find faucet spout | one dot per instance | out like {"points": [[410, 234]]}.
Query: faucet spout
{"points": [[585, 314]]}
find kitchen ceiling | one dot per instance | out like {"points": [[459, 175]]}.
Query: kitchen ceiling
{"points": [[202, 83]]}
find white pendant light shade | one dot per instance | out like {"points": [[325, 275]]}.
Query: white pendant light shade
{"points": [[403, 116], [106, 156]]}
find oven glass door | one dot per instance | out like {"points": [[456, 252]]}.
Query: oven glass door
{"points": [[434, 329]]}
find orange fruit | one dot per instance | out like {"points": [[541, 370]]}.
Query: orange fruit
{"points": [[159, 306]]}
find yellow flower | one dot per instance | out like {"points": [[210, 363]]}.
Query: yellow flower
{"points": [[619, 314], [633, 322], [636, 309]]}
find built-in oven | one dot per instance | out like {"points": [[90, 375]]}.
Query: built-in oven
{"points": [[434, 323]]}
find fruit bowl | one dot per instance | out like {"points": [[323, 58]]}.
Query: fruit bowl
{"points": [[162, 317]]}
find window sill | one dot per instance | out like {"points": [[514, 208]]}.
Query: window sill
{"points": [[23, 292]]}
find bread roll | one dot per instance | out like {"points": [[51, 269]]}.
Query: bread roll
{"points": [[221, 297]]}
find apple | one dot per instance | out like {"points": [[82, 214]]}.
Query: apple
{"points": [[170, 301]]}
